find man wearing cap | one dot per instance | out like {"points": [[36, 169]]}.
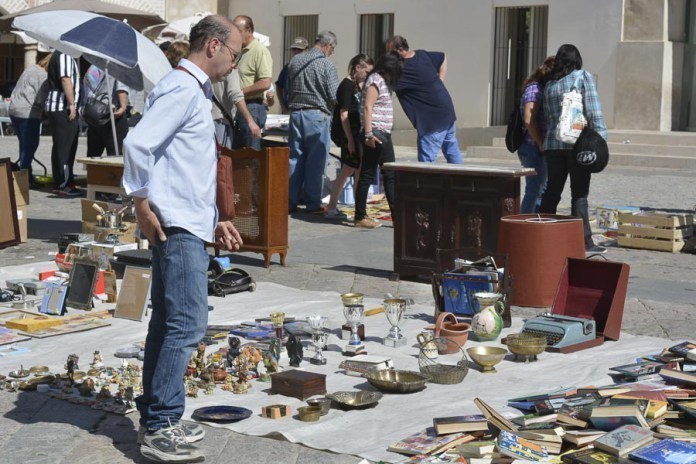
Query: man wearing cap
{"points": [[312, 84], [299, 45], [255, 71]]}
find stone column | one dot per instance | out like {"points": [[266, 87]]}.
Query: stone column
{"points": [[30, 54]]}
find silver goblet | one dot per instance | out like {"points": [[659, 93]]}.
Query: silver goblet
{"points": [[317, 322], [319, 340], [394, 308], [354, 314]]}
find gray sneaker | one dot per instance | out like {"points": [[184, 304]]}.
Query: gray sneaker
{"points": [[192, 432], [169, 445]]}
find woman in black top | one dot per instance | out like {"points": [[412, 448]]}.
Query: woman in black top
{"points": [[345, 128]]}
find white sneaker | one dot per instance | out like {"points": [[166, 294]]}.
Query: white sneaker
{"points": [[192, 432], [169, 445]]}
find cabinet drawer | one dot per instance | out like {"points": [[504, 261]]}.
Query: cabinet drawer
{"points": [[418, 181]]}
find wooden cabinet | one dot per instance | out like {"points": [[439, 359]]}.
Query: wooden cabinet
{"points": [[448, 206], [261, 186]]}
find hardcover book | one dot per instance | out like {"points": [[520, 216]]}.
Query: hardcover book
{"points": [[638, 369], [674, 376], [685, 349], [517, 447], [666, 452], [582, 437], [613, 417], [623, 440], [455, 424], [593, 456], [428, 442]]}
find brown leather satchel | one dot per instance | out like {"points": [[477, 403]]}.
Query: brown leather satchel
{"points": [[225, 185]]}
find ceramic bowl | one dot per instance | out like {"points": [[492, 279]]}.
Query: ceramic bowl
{"points": [[321, 402], [396, 381], [309, 413], [355, 399], [487, 357]]}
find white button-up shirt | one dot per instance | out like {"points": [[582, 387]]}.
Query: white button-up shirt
{"points": [[170, 155]]}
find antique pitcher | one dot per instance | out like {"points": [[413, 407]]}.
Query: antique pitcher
{"points": [[487, 322]]}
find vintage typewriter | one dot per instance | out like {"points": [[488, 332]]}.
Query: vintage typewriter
{"points": [[561, 331]]}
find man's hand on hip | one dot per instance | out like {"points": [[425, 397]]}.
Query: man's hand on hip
{"points": [[227, 237], [148, 221]]}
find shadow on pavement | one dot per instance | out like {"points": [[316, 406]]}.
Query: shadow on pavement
{"points": [[51, 229]]}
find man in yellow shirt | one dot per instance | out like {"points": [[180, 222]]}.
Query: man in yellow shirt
{"points": [[255, 72]]}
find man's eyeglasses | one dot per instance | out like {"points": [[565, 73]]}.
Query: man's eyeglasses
{"points": [[235, 56]]}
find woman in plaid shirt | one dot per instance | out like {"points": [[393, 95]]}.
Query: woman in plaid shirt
{"points": [[561, 163]]}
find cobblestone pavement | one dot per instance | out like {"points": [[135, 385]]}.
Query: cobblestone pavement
{"points": [[325, 255]]}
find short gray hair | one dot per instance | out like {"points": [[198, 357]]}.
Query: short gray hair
{"points": [[210, 27], [326, 38]]}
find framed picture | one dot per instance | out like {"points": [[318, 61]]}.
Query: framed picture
{"points": [[53, 302], [83, 277], [9, 222], [134, 293]]}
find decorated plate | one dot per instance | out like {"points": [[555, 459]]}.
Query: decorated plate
{"points": [[221, 414]]}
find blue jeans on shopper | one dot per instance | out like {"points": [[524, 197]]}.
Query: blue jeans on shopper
{"points": [[429, 145], [531, 157], [179, 319], [309, 150], [28, 131], [242, 133]]}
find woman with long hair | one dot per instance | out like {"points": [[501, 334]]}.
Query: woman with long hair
{"points": [[566, 74], [377, 123], [26, 109], [529, 152], [346, 126]]}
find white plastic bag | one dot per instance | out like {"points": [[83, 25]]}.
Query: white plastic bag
{"points": [[572, 120]]}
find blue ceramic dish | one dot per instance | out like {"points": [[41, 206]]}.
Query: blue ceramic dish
{"points": [[221, 414]]}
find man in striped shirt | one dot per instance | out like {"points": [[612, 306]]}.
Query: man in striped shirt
{"points": [[61, 109], [312, 85]]}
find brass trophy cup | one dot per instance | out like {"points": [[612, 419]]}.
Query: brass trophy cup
{"points": [[319, 338], [394, 308]]}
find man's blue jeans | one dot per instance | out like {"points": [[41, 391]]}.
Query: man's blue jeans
{"points": [[242, 133], [179, 319], [429, 145], [309, 150], [28, 132], [531, 157]]}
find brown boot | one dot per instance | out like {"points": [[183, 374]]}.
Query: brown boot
{"points": [[367, 223]]}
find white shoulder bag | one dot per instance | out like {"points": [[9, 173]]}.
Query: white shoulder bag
{"points": [[572, 120]]}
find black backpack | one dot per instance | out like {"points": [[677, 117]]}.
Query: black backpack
{"points": [[515, 131]]}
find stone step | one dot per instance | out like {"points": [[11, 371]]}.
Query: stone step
{"points": [[677, 140], [618, 158]]}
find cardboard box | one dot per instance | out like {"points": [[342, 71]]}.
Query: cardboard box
{"points": [[276, 411], [298, 384], [20, 179], [22, 217]]}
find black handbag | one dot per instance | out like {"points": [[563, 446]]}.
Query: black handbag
{"points": [[96, 111], [591, 152]]}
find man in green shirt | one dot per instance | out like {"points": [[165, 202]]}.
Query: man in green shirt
{"points": [[255, 71]]}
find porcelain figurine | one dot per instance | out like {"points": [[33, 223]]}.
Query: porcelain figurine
{"points": [[233, 350], [97, 359], [242, 367], [487, 322], [86, 388], [71, 366], [270, 363], [295, 352], [118, 397], [104, 394], [276, 347], [199, 358], [128, 397], [209, 388], [227, 386]]}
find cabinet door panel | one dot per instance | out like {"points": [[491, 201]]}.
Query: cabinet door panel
{"points": [[474, 221], [418, 228]]}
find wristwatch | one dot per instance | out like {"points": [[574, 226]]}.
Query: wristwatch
{"points": [[368, 136]]}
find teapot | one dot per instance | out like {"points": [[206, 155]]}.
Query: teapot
{"points": [[487, 322]]}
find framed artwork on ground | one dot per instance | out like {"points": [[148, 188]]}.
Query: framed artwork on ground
{"points": [[83, 277], [9, 223], [134, 293]]}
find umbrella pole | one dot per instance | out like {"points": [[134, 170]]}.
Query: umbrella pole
{"points": [[111, 110]]}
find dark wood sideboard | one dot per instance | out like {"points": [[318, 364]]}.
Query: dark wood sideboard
{"points": [[449, 206]]}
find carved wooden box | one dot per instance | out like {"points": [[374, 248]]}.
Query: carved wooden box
{"points": [[298, 384]]}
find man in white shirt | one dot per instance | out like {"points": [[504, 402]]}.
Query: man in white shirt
{"points": [[170, 170]]}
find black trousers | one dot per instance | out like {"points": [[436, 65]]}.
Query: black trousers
{"points": [[101, 137], [372, 158], [560, 167], [64, 147]]}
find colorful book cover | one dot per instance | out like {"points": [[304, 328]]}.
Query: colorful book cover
{"points": [[623, 439], [593, 456], [666, 452], [638, 369], [423, 442], [685, 349], [518, 447]]}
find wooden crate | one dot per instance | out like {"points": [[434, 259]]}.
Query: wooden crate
{"points": [[656, 231]]}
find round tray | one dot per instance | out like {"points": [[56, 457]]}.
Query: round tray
{"points": [[355, 399], [447, 374], [396, 381], [221, 414]]}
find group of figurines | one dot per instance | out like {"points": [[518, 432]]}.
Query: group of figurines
{"points": [[112, 389], [234, 366]]}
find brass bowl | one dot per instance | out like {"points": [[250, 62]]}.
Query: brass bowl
{"points": [[352, 298], [487, 357], [321, 402], [355, 399], [38, 369], [309, 413], [396, 381], [525, 344]]}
